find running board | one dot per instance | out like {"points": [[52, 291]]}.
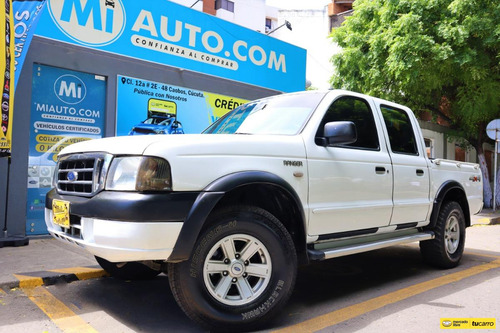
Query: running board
{"points": [[375, 245]]}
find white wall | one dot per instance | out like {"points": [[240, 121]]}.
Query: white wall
{"points": [[439, 146], [248, 13], [272, 13], [437, 139], [310, 30]]}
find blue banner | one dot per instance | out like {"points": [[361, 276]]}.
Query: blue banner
{"points": [[67, 107], [26, 15], [167, 33]]}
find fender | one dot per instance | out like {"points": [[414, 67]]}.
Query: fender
{"points": [[211, 195], [442, 193]]}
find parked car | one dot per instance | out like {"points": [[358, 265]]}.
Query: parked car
{"points": [[276, 183], [158, 125]]}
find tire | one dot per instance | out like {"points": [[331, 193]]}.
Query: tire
{"points": [[127, 270], [446, 249], [241, 272]]}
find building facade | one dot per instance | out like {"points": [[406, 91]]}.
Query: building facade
{"points": [[97, 69], [72, 88]]}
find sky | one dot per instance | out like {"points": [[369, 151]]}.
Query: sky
{"points": [[298, 4]]}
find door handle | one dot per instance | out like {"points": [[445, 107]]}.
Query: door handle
{"points": [[420, 172], [379, 170]]}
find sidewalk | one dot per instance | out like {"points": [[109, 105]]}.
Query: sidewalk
{"points": [[47, 261], [486, 217]]}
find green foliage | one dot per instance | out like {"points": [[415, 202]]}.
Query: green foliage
{"points": [[441, 56]]}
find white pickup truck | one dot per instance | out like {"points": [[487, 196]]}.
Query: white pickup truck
{"points": [[276, 183]]}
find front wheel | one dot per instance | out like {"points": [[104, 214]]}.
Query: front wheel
{"points": [[241, 271], [446, 249]]}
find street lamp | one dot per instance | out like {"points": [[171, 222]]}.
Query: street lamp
{"points": [[194, 3], [288, 25]]}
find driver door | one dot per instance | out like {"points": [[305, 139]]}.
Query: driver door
{"points": [[350, 186]]}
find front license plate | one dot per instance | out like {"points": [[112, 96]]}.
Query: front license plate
{"points": [[60, 210]]}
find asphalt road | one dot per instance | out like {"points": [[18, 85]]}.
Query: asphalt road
{"points": [[389, 290]]}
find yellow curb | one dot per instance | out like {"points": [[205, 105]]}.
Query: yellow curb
{"points": [[82, 273], [29, 281]]}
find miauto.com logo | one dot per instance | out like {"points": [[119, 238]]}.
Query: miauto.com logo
{"points": [[70, 89], [90, 22]]}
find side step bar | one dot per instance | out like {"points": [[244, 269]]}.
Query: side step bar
{"points": [[358, 248]]}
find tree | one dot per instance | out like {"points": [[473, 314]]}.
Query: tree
{"points": [[438, 56]]}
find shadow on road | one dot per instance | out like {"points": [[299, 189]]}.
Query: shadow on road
{"points": [[321, 288]]}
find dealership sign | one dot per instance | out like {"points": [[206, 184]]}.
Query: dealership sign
{"points": [[67, 107], [167, 33]]}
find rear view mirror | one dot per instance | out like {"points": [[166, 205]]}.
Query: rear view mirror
{"points": [[340, 133]]}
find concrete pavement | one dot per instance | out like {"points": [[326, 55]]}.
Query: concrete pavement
{"points": [[486, 217], [47, 261]]}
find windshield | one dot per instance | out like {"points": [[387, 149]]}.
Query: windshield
{"points": [[279, 115]]}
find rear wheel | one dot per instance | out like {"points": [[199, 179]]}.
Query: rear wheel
{"points": [[241, 272], [127, 270], [446, 249]]}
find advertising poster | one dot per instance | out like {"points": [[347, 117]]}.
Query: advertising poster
{"points": [[67, 107], [148, 107], [167, 33], [7, 76]]}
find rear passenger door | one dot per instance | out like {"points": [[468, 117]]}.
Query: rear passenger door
{"points": [[350, 186], [411, 174]]}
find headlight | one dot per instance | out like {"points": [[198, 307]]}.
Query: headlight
{"points": [[139, 173]]}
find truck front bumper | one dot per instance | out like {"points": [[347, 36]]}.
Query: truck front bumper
{"points": [[123, 227], [119, 241]]}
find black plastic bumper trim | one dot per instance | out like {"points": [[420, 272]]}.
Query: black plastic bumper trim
{"points": [[348, 234], [315, 254], [129, 206], [204, 204], [406, 225]]}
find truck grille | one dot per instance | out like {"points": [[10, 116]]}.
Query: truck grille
{"points": [[82, 174]]}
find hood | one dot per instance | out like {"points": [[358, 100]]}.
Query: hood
{"points": [[193, 145], [210, 145], [120, 145]]}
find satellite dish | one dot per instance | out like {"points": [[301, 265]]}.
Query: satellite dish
{"points": [[493, 130]]}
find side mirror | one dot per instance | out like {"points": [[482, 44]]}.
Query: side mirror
{"points": [[340, 133]]}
